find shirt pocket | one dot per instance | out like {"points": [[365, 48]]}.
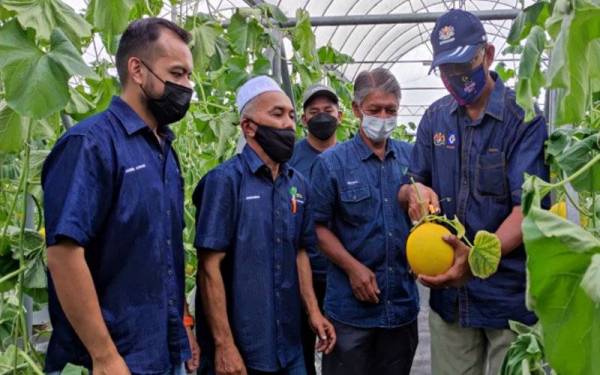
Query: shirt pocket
{"points": [[490, 175], [355, 204]]}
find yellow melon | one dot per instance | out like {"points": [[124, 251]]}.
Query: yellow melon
{"points": [[427, 252]]}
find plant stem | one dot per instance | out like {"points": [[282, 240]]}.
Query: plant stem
{"points": [[33, 365], [11, 275], [575, 175], [20, 282]]}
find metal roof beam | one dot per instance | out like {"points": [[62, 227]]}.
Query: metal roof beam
{"points": [[381, 19], [390, 19]]}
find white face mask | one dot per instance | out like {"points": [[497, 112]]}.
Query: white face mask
{"points": [[378, 129]]}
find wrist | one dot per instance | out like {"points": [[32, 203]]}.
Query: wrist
{"points": [[106, 354]]}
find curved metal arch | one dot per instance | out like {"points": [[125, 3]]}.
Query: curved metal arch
{"points": [[394, 26], [348, 12], [500, 34]]}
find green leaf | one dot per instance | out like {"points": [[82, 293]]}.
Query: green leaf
{"points": [[558, 254], [574, 157], [533, 15], [525, 354], [224, 129], [146, 7], [530, 77], [110, 16], [570, 68], [329, 55], [273, 11], [7, 265], [243, 34], [504, 72], [78, 103], [303, 38], [44, 16], [35, 274], [35, 80], [71, 369], [591, 279], [12, 129], [484, 257], [204, 38], [261, 66]]}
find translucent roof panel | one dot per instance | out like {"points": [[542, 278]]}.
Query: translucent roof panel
{"points": [[402, 48]]}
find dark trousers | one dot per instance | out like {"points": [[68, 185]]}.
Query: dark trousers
{"points": [[308, 336], [372, 351]]}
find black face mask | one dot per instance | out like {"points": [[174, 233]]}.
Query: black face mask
{"points": [[172, 105], [322, 125], [277, 143]]}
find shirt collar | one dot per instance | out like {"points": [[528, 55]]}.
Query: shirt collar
{"points": [[364, 152], [256, 164], [495, 104], [131, 121]]}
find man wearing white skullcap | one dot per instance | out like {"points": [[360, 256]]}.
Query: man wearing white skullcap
{"points": [[253, 224]]}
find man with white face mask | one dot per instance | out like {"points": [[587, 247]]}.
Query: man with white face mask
{"points": [[371, 298]]}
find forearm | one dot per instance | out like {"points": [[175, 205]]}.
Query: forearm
{"points": [[331, 246], [306, 284], [509, 232], [78, 298], [214, 301]]}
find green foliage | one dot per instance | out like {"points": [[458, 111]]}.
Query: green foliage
{"points": [[36, 80], [559, 254], [484, 256], [526, 353]]}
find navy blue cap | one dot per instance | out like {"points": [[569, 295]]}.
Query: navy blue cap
{"points": [[455, 38]]}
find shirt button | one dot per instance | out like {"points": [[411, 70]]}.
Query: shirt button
{"points": [[465, 181], [277, 213], [390, 234], [385, 199], [278, 321], [171, 302], [278, 295], [389, 302], [168, 212], [278, 266], [278, 240], [390, 269], [160, 156], [170, 271], [169, 242]]}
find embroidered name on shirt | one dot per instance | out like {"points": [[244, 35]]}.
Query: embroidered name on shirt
{"points": [[137, 168], [252, 197], [354, 182]]}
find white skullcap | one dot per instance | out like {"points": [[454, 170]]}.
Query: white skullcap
{"points": [[253, 88]]}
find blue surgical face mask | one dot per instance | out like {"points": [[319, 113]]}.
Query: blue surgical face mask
{"points": [[467, 87], [378, 129]]}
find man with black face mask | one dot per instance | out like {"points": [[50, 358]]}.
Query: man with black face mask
{"points": [[321, 116], [472, 151], [253, 224], [113, 205]]}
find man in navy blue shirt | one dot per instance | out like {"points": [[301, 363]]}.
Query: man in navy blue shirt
{"points": [[371, 297], [113, 204], [321, 116], [472, 150], [253, 224]]}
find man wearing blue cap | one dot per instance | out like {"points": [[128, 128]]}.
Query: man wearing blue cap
{"points": [[321, 116], [473, 148], [253, 224]]}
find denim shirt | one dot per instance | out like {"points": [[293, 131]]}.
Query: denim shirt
{"points": [[477, 169], [110, 187], [356, 193], [303, 159], [241, 211]]}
